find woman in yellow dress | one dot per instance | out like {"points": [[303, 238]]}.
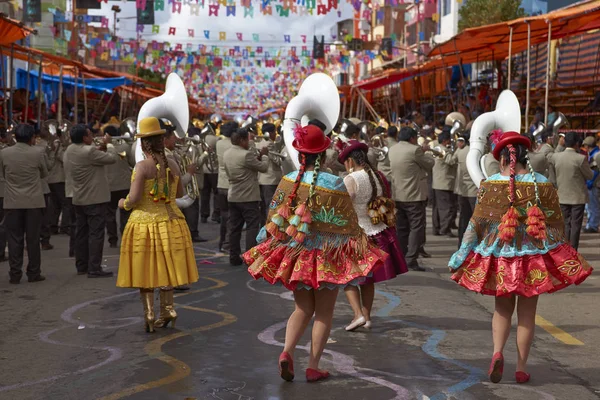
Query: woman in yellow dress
{"points": [[156, 249]]}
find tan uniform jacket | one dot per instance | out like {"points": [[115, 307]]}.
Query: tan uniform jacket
{"points": [[572, 172], [119, 173], [56, 169], [491, 165], [22, 167], [444, 172], [242, 168], [539, 162], [86, 164], [222, 146], [409, 165], [384, 166], [333, 164], [42, 147], [464, 184], [546, 149], [273, 174]]}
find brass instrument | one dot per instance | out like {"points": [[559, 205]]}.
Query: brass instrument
{"points": [[198, 123], [188, 155], [128, 127], [537, 133], [379, 145], [458, 122], [59, 133], [438, 151], [125, 137], [559, 122]]}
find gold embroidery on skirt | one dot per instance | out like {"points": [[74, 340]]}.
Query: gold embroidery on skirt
{"points": [[570, 267], [536, 275]]}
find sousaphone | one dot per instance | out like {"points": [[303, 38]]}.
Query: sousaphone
{"points": [[318, 98]]}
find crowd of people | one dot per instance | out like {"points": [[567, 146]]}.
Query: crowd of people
{"points": [[350, 212]]}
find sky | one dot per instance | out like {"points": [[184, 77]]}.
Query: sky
{"points": [[271, 28]]}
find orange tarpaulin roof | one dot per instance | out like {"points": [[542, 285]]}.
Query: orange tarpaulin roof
{"points": [[387, 78], [12, 31], [492, 41]]}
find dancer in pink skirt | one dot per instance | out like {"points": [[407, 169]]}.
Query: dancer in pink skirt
{"points": [[374, 207]]}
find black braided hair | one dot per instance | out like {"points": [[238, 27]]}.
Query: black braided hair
{"points": [[154, 145], [361, 159]]}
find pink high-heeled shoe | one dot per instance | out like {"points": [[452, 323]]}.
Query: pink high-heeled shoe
{"points": [[496, 368]]}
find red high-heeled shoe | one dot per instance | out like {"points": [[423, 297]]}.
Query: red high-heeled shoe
{"points": [[522, 377], [286, 367], [313, 375], [496, 368]]}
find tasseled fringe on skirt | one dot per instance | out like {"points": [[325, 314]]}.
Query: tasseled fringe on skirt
{"points": [[488, 231]]}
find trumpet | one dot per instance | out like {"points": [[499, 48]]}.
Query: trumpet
{"points": [[125, 137], [438, 151]]}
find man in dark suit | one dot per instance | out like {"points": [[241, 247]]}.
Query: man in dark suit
{"points": [[22, 168]]}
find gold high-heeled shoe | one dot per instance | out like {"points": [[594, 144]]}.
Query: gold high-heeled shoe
{"points": [[147, 296], [167, 312]]}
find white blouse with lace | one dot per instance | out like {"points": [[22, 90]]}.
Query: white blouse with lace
{"points": [[360, 190]]}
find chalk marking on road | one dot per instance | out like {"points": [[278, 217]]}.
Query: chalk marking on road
{"points": [[67, 315], [341, 362], [557, 332], [218, 284], [115, 354], [430, 347], [436, 378], [288, 295], [180, 369]]}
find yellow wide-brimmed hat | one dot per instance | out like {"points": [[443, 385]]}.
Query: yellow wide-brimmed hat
{"points": [[149, 127]]}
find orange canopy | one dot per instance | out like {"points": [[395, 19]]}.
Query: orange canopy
{"points": [[492, 41], [12, 31]]}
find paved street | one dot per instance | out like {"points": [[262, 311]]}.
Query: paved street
{"points": [[76, 338]]}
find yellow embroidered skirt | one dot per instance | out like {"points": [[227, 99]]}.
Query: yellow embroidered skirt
{"points": [[157, 254]]}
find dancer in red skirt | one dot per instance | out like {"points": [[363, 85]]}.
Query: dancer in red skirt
{"points": [[515, 249], [370, 193], [313, 246]]}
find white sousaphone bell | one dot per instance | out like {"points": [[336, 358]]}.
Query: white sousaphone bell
{"points": [[173, 106], [318, 98], [506, 117]]}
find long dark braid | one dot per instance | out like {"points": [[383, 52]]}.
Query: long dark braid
{"points": [[154, 146], [361, 159]]}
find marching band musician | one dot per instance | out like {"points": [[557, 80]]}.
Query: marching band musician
{"points": [[572, 171], [192, 213], [209, 186], [41, 145], [465, 187], [409, 164], [444, 177], [537, 159], [384, 166], [269, 180], [227, 129], [119, 178], [242, 167], [56, 183], [91, 193], [22, 168]]}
